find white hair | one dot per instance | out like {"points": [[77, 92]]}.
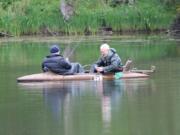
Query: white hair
{"points": [[105, 46]]}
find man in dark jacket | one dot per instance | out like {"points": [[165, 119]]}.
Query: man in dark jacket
{"points": [[108, 62], [58, 64]]}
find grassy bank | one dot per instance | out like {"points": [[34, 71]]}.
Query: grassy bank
{"points": [[22, 17]]}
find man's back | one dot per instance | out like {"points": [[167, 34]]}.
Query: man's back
{"points": [[56, 63]]}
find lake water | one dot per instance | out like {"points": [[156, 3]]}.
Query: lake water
{"points": [[119, 107]]}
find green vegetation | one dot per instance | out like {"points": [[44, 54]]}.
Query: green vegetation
{"points": [[21, 17]]}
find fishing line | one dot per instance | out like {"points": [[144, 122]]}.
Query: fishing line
{"points": [[75, 46]]}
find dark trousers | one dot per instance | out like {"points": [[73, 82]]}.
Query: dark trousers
{"points": [[76, 68]]}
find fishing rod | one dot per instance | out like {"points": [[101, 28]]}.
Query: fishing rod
{"points": [[67, 54], [70, 50]]}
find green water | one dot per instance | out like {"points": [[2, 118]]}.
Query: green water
{"points": [[128, 107]]}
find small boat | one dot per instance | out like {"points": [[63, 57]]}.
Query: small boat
{"points": [[49, 76]]}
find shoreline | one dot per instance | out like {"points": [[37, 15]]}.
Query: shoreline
{"points": [[67, 39], [101, 32]]}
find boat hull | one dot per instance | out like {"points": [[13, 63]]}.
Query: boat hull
{"points": [[86, 76]]}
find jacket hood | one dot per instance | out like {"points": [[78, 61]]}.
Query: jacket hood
{"points": [[112, 51]]}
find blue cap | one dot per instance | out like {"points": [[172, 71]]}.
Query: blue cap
{"points": [[54, 49]]}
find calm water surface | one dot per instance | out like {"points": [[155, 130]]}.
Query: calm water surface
{"points": [[120, 107]]}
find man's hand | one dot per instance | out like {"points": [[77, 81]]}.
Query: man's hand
{"points": [[99, 69]]}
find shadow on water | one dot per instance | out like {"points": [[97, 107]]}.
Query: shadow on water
{"points": [[61, 98]]}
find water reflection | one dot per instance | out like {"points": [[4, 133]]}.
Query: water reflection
{"points": [[56, 98], [61, 98], [114, 93], [92, 108], [110, 94]]}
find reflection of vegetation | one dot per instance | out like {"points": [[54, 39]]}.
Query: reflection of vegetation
{"points": [[21, 53], [136, 51], [32, 53]]}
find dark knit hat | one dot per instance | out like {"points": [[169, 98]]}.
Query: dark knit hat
{"points": [[54, 49]]}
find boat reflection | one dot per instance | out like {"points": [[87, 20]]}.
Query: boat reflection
{"points": [[59, 97]]}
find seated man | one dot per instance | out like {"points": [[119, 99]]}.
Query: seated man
{"points": [[109, 62], [58, 64]]}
